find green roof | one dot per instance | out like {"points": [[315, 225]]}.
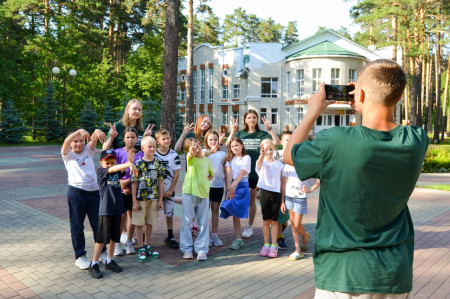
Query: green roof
{"points": [[325, 48]]}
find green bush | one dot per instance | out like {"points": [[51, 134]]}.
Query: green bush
{"points": [[437, 159]]}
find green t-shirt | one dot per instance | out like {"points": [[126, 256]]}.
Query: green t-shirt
{"points": [[196, 179], [118, 141], [364, 239], [251, 144]]}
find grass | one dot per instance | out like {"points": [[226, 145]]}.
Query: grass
{"points": [[437, 159], [443, 187]]}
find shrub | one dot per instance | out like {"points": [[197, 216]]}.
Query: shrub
{"points": [[437, 159]]}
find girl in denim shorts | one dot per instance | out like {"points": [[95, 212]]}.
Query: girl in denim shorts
{"points": [[295, 200]]}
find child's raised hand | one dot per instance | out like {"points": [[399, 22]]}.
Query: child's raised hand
{"points": [[99, 135], [267, 124], [215, 148], [148, 131], [133, 170], [112, 131], [130, 156], [188, 128], [221, 138], [84, 134], [262, 151], [235, 126]]}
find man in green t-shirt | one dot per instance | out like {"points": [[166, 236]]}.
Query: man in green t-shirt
{"points": [[364, 239]]}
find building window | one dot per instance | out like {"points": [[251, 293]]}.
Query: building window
{"points": [[287, 118], [224, 117], [352, 75], [194, 85], [269, 87], [316, 80], [194, 115], [335, 75], [262, 113], [236, 91], [183, 95], [300, 83], [288, 84], [329, 120], [319, 120], [210, 115], [202, 85], [225, 92], [210, 85], [299, 115], [274, 118], [235, 116]]}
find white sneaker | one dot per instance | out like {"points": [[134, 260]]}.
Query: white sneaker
{"points": [[248, 231], [130, 248], [103, 257], [188, 255], [202, 256], [83, 262], [215, 241], [133, 241], [118, 249], [124, 238]]}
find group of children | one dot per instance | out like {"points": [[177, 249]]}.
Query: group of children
{"points": [[131, 186]]}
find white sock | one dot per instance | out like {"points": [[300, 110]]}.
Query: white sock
{"points": [[94, 263], [108, 260]]}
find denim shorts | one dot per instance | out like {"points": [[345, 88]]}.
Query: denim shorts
{"points": [[298, 205]]}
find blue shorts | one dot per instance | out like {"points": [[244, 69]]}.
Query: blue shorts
{"points": [[298, 205]]}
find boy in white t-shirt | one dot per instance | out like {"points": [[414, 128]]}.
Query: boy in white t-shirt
{"points": [[83, 196]]}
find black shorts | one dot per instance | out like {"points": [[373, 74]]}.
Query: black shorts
{"points": [[215, 194], [128, 201], [270, 204], [252, 183], [108, 229]]}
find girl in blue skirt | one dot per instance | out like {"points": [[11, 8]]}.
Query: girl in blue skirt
{"points": [[237, 201]]}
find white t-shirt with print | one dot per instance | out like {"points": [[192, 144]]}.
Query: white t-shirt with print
{"points": [[270, 176], [238, 163], [217, 160], [294, 184], [81, 170]]}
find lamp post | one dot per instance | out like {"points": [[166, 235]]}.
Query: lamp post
{"points": [[72, 73]]}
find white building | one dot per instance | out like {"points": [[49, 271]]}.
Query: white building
{"points": [[274, 80]]}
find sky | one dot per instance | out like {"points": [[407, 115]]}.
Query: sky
{"points": [[308, 14]]}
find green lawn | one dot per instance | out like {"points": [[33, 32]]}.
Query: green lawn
{"points": [[443, 187]]}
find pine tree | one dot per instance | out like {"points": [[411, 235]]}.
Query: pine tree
{"points": [[12, 127], [152, 113], [88, 117], [48, 116], [108, 116]]}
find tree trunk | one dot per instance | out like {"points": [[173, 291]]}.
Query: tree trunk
{"points": [[437, 117], [427, 93], [111, 27], [415, 92], [169, 92], [394, 37], [190, 63], [46, 15], [444, 111]]}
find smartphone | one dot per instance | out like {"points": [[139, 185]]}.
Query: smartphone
{"points": [[339, 92]]}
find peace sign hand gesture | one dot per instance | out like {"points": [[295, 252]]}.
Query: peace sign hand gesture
{"points": [[112, 131], [148, 131], [267, 124], [235, 126]]}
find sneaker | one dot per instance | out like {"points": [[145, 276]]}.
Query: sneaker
{"points": [[152, 253], [296, 256], [265, 250], [171, 242], [142, 255], [273, 251], [215, 241], [83, 262], [237, 244], [130, 248], [202, 256], [118, 249], [112, 266], [248, 231], [133, 241], [124, 238], [188, 255], [95, 272], [281, 244], [194, 228], [103, 257]]}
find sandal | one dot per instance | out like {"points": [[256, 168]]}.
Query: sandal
{"points": [[304, 247]]}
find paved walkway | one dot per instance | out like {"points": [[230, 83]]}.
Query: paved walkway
{"points": [[36, 257]]}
